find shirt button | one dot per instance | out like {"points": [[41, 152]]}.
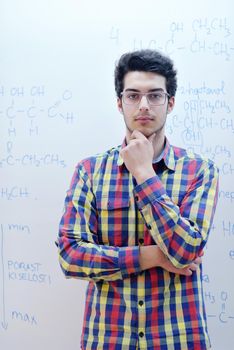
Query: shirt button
{"points": [[141, 302], [148, 226], [141, 241], [141, 334], [191, 223]]}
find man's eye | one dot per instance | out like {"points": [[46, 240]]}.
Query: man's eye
{"points": [[133, 96], [155, 96]]}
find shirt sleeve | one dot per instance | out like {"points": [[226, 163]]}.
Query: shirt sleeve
{"points": [[80, 254], [181, 231]]}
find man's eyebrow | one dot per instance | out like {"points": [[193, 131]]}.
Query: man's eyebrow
{"points": [[151, 90]]}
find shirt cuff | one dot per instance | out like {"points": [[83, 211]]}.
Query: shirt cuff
{"points": [[149, 191], [129, 261]]}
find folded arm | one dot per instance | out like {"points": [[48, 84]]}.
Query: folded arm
{"points": [[80, 254], [181, 232]]}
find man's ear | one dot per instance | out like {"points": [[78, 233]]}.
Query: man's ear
{"points": [[119, 104], [171, 104]]}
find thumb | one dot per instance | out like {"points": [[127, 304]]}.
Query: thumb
{"points": [[151, 137]]}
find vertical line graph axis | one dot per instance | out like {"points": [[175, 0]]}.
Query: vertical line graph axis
{"points": [[3, 323]]}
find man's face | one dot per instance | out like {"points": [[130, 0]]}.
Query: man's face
{"points": [[144, 116]]}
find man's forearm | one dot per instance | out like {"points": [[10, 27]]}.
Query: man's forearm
{"points": [[152, 256], [149, 257]]}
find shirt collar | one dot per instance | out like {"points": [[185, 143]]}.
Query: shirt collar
{"points": [[168, 155]]}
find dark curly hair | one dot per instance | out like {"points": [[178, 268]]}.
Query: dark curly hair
{"points": [[146, 61]]}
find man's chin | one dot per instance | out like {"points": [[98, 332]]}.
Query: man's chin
{"points": [[146, 133]]}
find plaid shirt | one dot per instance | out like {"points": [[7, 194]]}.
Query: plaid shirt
{"points": [[107, 217]]}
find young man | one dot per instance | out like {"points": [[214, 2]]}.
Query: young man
{"points": [[136, 221]]}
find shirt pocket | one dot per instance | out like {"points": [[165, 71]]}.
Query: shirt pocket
{"points": [[113, 221]]}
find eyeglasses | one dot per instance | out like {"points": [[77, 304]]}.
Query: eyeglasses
{"points": [[156, 98]]}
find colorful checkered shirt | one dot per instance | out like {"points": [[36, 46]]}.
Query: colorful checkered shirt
{"points": [[107, 217]]}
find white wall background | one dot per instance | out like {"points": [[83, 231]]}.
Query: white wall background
{"points": [[57, 106]]}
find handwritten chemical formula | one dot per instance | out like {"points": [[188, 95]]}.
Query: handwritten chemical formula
{"points": [[208, 37], [32, 116]]}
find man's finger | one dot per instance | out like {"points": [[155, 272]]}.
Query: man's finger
{"points": [[198, 260], [187, 272], [193, 267], [136, 134]]}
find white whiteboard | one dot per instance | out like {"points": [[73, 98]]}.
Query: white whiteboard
{"points": [[53, 54]]}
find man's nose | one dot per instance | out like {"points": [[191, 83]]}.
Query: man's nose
{"points": [[143, 105]]}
